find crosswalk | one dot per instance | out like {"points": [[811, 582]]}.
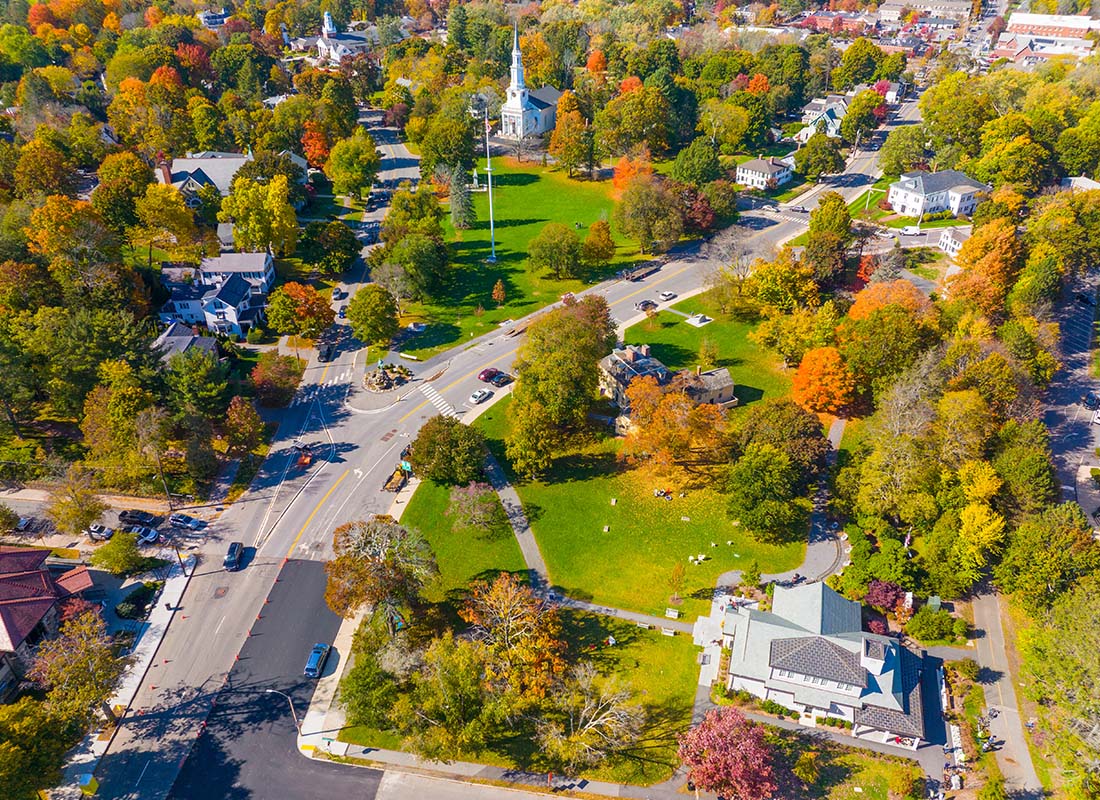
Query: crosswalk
{"points": [[437, 400], [310, 392]]}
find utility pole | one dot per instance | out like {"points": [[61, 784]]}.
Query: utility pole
{"points": [[489, 180]]}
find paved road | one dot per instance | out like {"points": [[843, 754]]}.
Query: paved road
{"points": [[290, 513]]}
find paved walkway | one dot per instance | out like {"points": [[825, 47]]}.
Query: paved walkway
{"points": [[82, 759]]}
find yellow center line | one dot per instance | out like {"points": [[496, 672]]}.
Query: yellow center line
{"points": [[313, 513], [650, 285]]}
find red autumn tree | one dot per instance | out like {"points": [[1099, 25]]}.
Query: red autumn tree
{"points": [[596, 64], [758, 84], [627, 169], [727, 754], [315, 145], [629, 84], [823, 382]]}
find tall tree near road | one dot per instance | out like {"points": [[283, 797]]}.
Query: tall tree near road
{"points": [[447, 451], [243, 428], [372, 314], [729, 755], [819, 156], [555, 249], [299, 309], [74, 504], [649, 213], [353, 164]]}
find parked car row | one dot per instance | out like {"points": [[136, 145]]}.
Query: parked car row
{"points": [[144, 525]]}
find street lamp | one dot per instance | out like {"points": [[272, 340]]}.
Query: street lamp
{"points": [[297, 725]]}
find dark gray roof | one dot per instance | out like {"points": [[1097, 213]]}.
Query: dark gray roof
{"points": [[627, 364], [818, 657], [232, 292], [926, 183], [181, 338], [544, 97], [183, 292], [910, 719], [766, 166]]}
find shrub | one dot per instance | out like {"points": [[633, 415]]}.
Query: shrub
{"points": [[928, 625], [137, 602], [968, 668], [120, 556], [960, 628], [255, 335]]}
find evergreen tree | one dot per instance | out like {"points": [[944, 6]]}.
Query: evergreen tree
{"points": [[463, 214]]}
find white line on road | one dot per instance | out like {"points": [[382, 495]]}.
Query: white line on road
{"points": [[219, 627], [142, 775]]}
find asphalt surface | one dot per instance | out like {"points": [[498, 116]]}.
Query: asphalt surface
{"points": [[290, 512], [247, 749]]}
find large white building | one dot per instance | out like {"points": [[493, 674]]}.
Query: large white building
{"points": [[810, 654], [1058, 25], [763, 173], [918, 193], [526, 113]]}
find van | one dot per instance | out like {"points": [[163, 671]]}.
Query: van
{"points": [[232, 561], [910, 230], [315, 664]]}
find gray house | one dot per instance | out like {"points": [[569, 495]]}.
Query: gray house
{"points": [[810, 654]]}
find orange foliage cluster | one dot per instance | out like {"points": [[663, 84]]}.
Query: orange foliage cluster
{"points": [[900, 292], [823, 382]]}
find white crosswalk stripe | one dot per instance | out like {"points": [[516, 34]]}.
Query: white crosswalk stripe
{"points": [[437, 400]]}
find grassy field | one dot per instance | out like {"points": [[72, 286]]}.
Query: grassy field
{"points": [[628, 566], [857, 775], [525, 198], [463, 557], [756, 372]]}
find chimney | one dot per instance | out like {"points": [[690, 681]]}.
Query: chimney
{"points": [[165, 171], [644, 350]]}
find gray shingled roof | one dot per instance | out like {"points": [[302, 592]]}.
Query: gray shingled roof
{"points": [[766, 166], [909, 720], [818, 609], [818, 657], [926, 183], [235, 262], [232, 292]]}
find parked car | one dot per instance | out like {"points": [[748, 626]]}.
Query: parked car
{"points": [[1085, 299], [501, 379], [1091, 401], [25, 524], [480, 396], [911, 230], [145, 534], [487, 374], [343, 312], [315, 664], [644, 305], [800, 209], [666, 296], [133, 517], [232, 560], [100, 533], [186, 521]]}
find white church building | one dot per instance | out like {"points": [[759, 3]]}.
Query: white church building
{"points": [[526, 113]]}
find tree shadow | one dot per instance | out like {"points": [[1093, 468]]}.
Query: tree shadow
{"points": [[506, 179], [582, 466], [987, 676], [434, 335], [671, 353]]}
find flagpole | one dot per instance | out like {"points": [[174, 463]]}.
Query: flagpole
{"points": [[492, 259]]}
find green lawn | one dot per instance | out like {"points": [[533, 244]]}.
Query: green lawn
{"points": [[629, 565], [756, 372], [867, 203], [525, 198], [856, 775], [463, 557]]}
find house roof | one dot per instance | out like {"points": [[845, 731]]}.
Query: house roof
{"points": [[817, 656], [631, 362], [181, 338], [816, 608], [926, 183], [231, 292], [235, 262], [766, 166], [207, 167], [908, 718], [28, 592], [544, 97], [186, 292]]}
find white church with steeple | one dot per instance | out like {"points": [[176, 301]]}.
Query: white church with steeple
{"points": [[526, 113]]}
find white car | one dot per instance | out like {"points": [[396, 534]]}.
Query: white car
{"points": [[911, 230], [144, 535], [480, 396], [187, 521], [100, 533], [666, 296]]}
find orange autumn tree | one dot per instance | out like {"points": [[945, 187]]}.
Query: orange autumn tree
{"points": [[629, 84], [596, 64], [990, 261], [900, 292], [758, 84], [669, 430], [823, 382], [627, 168], [315, 145]]}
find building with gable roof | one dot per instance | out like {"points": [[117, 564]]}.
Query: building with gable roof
{"points": [[29, 598], [180, 338], [810, 654], [526, 113], [917, 193], [209, 168]]}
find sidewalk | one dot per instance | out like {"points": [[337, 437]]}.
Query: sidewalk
{"points": [[82, 759]]}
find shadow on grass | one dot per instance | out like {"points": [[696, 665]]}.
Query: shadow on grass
{"points": [[583, 466], [435, 335], [514, 178], [747, 394]]}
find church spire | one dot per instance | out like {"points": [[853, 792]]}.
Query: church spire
{"points": [[517, 84]]}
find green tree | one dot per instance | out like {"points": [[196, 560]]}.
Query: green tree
{"points": [[353, 164], [79, 667], [763, 493], [448, 142], [555, 249], [640, 116], [262, 216], [73, 504], [832, 216], [725, 124], [463, 214], [33, 749], [331, 247], [750, 575], [858, 64], [123, 178], [697, 164], [598, 248], [275, 378], [424, 261], [569, 143], [120, 556], [372, 314], [532, 439], [198, 384], [164, 221], [243, 427], [650, 214], [864, 113], [819, 156], [299, 309], [368, 692], [448, 452], [411, 213], [903, 149], [449, 711]]}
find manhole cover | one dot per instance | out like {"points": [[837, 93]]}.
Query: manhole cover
{"points": [[220, 592]]}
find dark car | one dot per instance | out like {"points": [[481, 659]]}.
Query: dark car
{"points": [[487, 374], [1091, 401], [501, 379], [326, 351], [1085, 299], [644, 305], [133, 517], [232, 561], [343, 312], [315, 664]]}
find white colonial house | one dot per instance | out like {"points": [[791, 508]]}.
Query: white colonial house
{"points": [[227, 308], [918, 193], [810, 654], [763, 173], [952, 240], [526, 113], [258, 269]]}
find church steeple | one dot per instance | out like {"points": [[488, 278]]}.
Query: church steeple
{"points": [[517, 84]]}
